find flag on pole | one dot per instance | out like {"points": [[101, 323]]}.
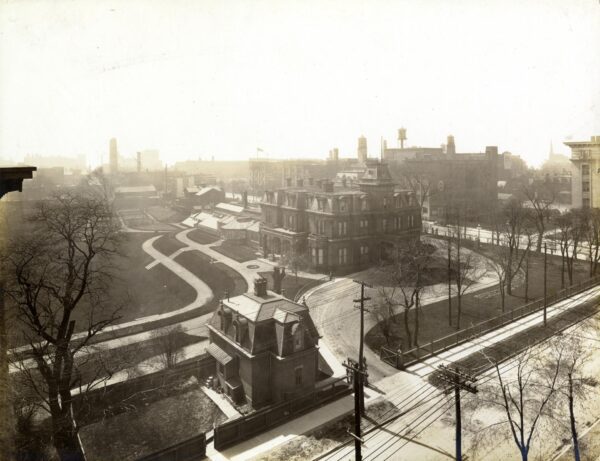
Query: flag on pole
{"points": [[258, 149]]}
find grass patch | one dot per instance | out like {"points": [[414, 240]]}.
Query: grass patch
{"points": [[168, 245], [478, 306], [220, 278], [202, 237], [237, 252]]}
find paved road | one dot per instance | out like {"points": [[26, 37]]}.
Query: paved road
{"points": [[338, 321]]}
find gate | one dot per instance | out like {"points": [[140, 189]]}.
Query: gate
{"points": [[391, 357]]}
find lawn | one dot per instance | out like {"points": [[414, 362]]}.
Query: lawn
{"points": [[220, 278], [478, 306], [202, 237], [237, 252], [135, 291], [155, 421], [167, 244], [518, 342]]}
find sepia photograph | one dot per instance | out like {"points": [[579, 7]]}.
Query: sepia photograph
{"points": [[291, 230]]}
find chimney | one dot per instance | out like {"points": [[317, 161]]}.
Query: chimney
{"points": [[450, 147], [311, 181], [288, 182], [299, 182], [260, 287]]}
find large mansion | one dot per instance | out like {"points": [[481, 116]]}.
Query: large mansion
{"points": [[339, 228]]}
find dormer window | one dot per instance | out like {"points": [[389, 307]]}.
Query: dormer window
{"points": [[298, 335]]}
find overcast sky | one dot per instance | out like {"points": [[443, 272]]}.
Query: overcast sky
{"points": [[296, 78]]}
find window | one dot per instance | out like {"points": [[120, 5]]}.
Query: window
{"points": [[321, 227], [342, 227], [585, 170], [291, 222], [317, 256], [384, 225], [363, 204], [364, 224], [299, 338], [342, 255], [298, 375], [585, 186], [343, 204], [586, 203], [385, 202], [411, 221], [364, 250]]}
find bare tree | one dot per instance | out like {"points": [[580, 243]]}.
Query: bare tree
{"points": [[417, 182], [57, 276], [573, 384], [592, 236], [573, 227], [540, 196], [524, 400], [406, 274], [384, 313], [169, 342], [516, 233]]}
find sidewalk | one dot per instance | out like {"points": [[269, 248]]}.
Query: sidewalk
{"points": [[267, 441], [413, 381]]}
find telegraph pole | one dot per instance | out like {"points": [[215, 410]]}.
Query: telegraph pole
{"points": [[361, 358], [545, 283], [460, 381], [357, 380], [449, 282]]}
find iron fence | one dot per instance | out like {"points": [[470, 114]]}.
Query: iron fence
{"points": [[402, 359]]}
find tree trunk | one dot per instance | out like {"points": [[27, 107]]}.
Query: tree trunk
{"points": [[459, 310], [417, 312], [64, 434], [407, 329], [527, 277], [562, 271], [572, 418]]}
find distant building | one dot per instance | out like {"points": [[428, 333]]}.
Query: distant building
{"points": [[265, 347], [558, 171], [585, 157], [454, 183], [340, 229]]}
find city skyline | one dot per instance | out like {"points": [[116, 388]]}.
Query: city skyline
{"points": [[295, 79]]}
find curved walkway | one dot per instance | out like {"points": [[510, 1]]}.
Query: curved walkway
{"points": [[332, 309], [248, 274]]}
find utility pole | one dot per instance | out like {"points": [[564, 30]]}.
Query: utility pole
{"points": [[361, 359], [357, 380], [545, 283], [449, 282], [460, 381]]}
